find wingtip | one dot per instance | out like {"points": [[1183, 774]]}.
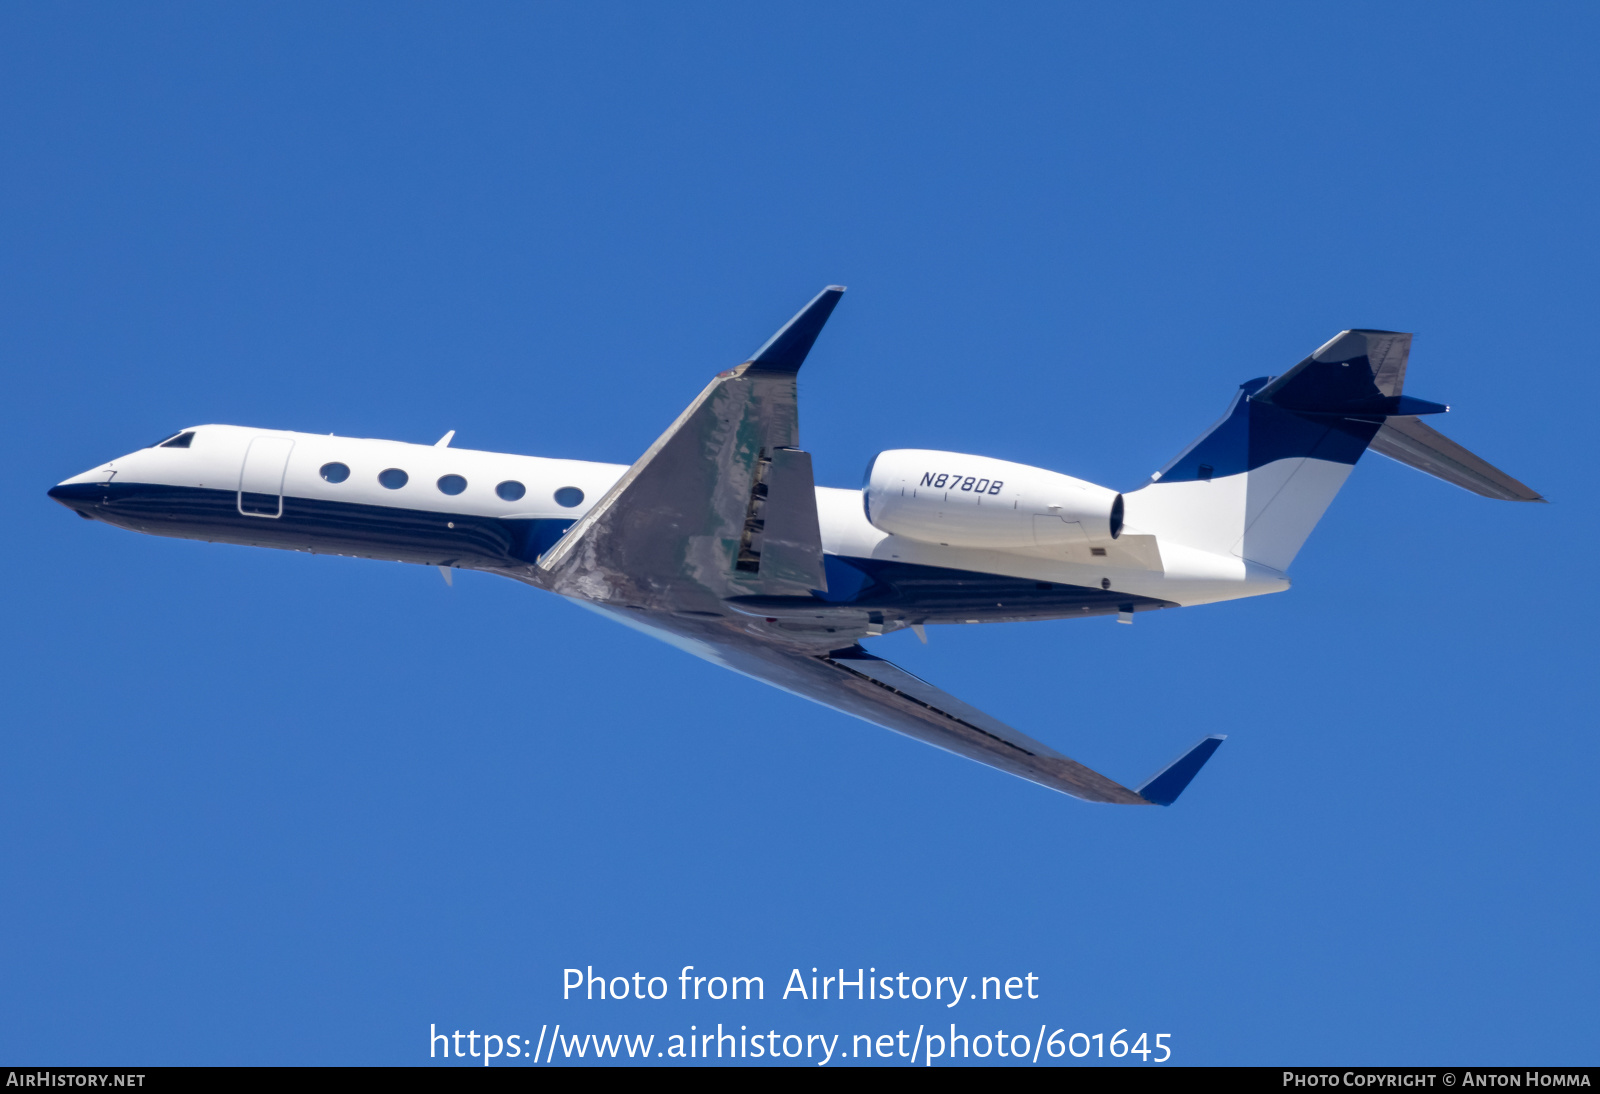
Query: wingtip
{"points": [[1164, 786], [786, 351]]}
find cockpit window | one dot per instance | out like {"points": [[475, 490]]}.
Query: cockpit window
{"points": [[176, 440]]}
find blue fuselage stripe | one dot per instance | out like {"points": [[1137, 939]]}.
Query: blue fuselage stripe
{"points": [[323, 527], [512, 546]]}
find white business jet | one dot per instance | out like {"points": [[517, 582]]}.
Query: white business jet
{"points": [[718, 541]]}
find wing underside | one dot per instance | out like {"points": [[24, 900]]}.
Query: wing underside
{"points": [[717, 521], [855, 682], [885, 694]]}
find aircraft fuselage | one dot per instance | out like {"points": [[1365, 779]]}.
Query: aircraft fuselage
{"points": [[498, 512]]}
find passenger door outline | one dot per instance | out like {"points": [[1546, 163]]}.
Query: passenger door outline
{"points": [[266, 463]]}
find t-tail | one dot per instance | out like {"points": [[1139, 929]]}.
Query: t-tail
{"points": [[1255, 484]]}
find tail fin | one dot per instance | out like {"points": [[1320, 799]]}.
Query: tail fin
{"points": [[1257, 482]]}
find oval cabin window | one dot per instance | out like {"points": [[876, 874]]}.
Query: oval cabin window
{"points": [[334, 472], [511, 490], [452, 484], [568, 496], [393, 478]]}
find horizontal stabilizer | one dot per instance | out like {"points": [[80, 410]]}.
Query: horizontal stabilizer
{"points": [[1164, 787], [786, 351], [1417, 445]]}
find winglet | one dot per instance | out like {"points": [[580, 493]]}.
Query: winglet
{"points": [[1164, 786], [786, 351]]}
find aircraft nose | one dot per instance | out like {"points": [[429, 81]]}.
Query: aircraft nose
{"points": [[77, 496]]}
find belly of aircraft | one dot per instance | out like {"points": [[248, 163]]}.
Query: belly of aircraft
{"points": [[890, 592]]}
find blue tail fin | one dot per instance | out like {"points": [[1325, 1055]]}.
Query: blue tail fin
{"points": [[1257, 482]]}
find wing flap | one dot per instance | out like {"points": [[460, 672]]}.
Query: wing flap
{"points": [[790, 556]]}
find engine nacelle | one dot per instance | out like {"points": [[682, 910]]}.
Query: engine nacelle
{"points": [[975, 501]]}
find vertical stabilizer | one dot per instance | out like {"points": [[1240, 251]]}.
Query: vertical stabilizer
{"points": [[1256, 483]]}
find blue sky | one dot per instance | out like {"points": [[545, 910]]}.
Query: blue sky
{"points": [[268, 808]]}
